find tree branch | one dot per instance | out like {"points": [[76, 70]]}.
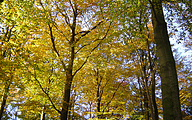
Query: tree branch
{"points": [[61, 32], [86, 32], [104, 87], [92, 51], [64, 15], [153, 9], [86, 59], [46, 93], [54, 47], [86, 45], [113, 95]]}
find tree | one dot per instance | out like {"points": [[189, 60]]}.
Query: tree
{"points": [[166, 61], [169, 81], [61, 24]]}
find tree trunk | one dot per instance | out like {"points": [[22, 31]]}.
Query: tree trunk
{"points": [[156, 115], [141, 95], [169, 82], [153, 72], [4, 100], [66, 97], [98, 94], [43, 114], [147, 92], [69, 71], [146, 106]]}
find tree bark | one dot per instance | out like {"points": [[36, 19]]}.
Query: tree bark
{"points": [[153, 71], [69, 70], [98, 94], [146, 106], [156, 115], [66, 97], [4, 100], [169, 81]]}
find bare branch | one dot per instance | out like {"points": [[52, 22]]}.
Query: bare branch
{"points": [[64, 15], [6, 36], [94, 40]]}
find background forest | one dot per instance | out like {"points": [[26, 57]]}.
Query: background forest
{"points": [[92, 59]]}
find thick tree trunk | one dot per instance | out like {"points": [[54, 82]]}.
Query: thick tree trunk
{"points": [[5, 95], [169, 82], [69, 75], [66, 98], [69, 70]]}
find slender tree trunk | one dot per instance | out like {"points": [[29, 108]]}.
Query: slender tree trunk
{"points": [[43, 114], [155, 111], [98, 94], [147, 93], [141, 94], [149, 99], [70, 113], [169, 81], [90, 108], [98, 106], [146, 106], [156, 116], [5, 95]]}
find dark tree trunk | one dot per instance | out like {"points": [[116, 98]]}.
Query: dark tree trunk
{"points": [[156, 115], [153, 72], [141, 95], [169, 81], [98, 94], [69, 70], [146, 106], [5, 95], [66, 97]]}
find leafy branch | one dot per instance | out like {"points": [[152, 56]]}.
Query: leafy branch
{"points": [[113, 95], [88, 31], [54, 47], [92, 51], [35, 77]]}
